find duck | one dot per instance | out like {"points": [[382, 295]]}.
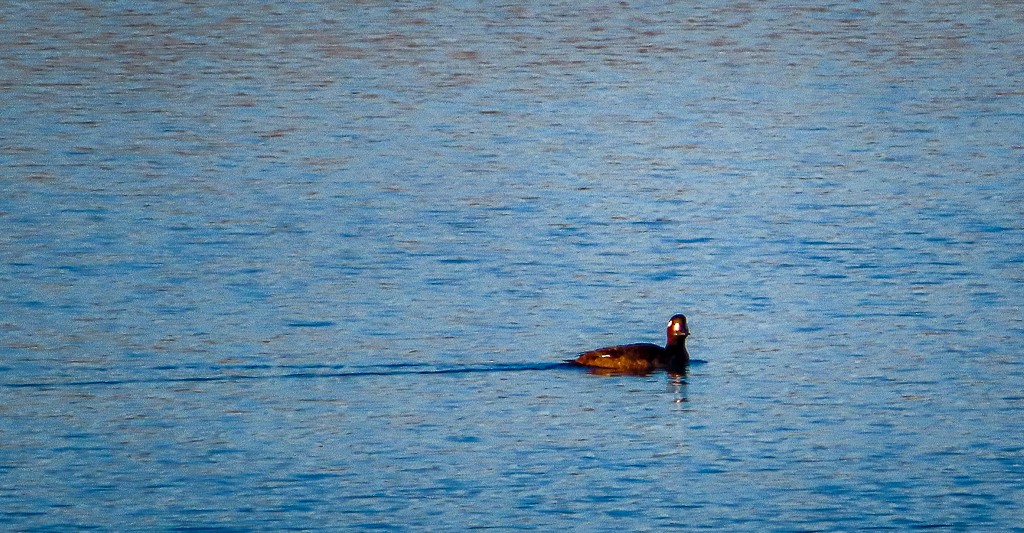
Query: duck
{"points": [[642, 358]]}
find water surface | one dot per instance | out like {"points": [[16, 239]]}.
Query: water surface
{"points": [[313, 266]]}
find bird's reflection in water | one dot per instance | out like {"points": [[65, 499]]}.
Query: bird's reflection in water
{"points": [[677, 386], [676, 383], [599, 371]]}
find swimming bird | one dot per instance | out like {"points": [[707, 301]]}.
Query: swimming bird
{"points": [[642, 358]]}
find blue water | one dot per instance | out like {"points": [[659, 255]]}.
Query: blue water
{"points": [[313, 266]]}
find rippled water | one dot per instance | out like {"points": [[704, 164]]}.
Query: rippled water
{"points": [[314, 266]]}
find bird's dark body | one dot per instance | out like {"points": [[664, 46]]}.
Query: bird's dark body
{"points": [[642, 357]]}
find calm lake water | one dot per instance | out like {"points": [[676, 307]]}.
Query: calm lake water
{"points": [[314, 266]]}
